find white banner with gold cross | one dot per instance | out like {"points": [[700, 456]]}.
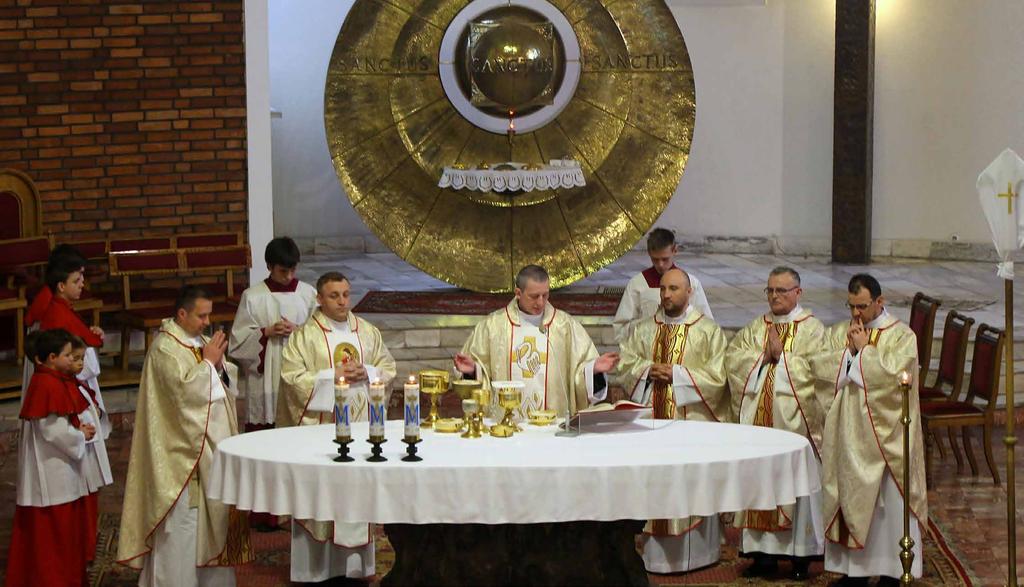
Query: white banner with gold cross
{"points": [[999, 188]]}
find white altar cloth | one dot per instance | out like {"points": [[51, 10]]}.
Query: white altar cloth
{"points": [[671, 470]]}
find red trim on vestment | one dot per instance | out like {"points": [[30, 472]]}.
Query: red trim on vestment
{"points": [[276, 287], [146, 541]]}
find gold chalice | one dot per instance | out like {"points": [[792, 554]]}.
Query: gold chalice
{"points": [[464, 388], [510, 398], [434, 383]]}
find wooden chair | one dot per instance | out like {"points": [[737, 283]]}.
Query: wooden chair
{"points": [[207, 239], [922, 322], [141, 263], [21, 265], [146, 315], [977, 409], [950, 375], [20, 206]]}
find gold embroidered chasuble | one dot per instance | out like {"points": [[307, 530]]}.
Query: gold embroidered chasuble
{"points": [[777, 395], [696, 344], [177, 428], [307, 353], [568, 351], [863, 434]]}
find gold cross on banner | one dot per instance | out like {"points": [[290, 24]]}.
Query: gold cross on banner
{"points": [[1009, 195]]}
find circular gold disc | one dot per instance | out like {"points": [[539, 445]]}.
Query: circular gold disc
{"points": [[391, 129]]}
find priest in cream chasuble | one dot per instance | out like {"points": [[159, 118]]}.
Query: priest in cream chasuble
{"points": [[186, 406], [675, 363], [773, 385], [862, 448], [333, 343], [545, 348]]}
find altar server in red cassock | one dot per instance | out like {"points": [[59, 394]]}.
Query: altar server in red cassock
{"points": [[50, 541]]}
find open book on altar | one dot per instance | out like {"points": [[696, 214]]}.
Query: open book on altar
{"points": [[621, 412]]}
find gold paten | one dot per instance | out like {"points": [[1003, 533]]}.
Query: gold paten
{"points": [[448, 425], [542, 417], [391, 130]]}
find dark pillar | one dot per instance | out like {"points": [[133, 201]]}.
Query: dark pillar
{"points": [[852, 131]]}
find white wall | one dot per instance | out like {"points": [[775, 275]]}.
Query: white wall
{"points": [[308, 198], [949, 96]]}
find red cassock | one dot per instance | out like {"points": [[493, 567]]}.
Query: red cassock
{"points": [[60, 314], [49, 544]]}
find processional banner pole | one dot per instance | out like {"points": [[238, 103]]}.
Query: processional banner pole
{"points": [[1007, 224]]}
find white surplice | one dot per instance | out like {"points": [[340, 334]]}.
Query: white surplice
{"points": [[50, 453], [95, 463], [640, 301], [260, 308]]}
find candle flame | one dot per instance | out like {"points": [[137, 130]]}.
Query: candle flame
{"points": [[341, 379], [412, 379], [903, 378]]}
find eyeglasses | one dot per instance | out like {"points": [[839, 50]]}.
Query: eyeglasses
{"points": [[860, 307], [772, 291]]}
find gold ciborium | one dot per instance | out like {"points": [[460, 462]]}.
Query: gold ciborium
{"points": [[510, 397], [434, 383]]}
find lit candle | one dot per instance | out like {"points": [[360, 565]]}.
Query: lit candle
{"points": [[412, 409], [903, 378], [377, 410], [342, 427]]}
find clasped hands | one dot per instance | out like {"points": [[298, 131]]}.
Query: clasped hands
{"points": [[352, 371], [214, 350], [282, 327], [856, 336], [774, 350]]}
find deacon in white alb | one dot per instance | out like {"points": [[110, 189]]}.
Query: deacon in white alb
{"points": [[642, 296]]}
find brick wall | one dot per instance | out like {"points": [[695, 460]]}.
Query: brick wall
{"points": [[129, 117]]}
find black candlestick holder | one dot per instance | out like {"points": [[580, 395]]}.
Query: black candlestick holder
{"points": [[343, 450], [376, 456], [410, 450]]}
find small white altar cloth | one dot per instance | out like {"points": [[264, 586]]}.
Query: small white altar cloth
{"points": [[559, 174], [671, 470]]}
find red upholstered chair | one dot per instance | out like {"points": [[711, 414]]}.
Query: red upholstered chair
{"points": [[21, 264], [978, 408], [922, 322], [122, 245], [136, 314], [949, 377], [225, 260], [207, 239], [20, 208]]}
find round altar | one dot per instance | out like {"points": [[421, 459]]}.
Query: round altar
{"points": [[524, 490]]}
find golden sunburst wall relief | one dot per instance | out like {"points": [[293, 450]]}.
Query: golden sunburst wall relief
{"points": [[414, 86]]}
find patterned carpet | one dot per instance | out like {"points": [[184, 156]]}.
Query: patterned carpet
{"points": [[466, 303], [270, 569]]}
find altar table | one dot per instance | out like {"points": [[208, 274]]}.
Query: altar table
{"points": [[533, 508]]}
